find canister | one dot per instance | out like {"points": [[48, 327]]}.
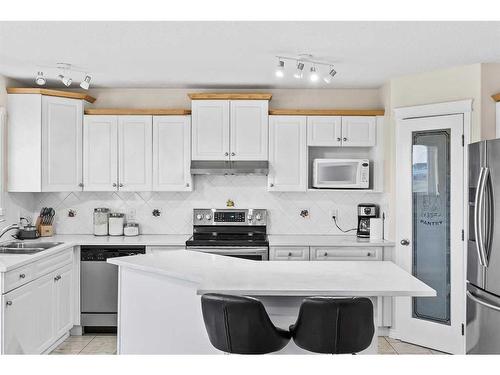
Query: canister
{"points": [[101, 221], [116, 222]]}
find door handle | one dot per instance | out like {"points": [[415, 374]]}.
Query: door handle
{"points": [[479, 215], [477, 299], [404, 242]]}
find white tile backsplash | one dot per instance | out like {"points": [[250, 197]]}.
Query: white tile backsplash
{"points": [[211, 191]]}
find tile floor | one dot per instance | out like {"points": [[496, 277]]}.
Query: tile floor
{"points": [[106, 344]]}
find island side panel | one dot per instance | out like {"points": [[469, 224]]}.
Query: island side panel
{"points": [[158, 314]]}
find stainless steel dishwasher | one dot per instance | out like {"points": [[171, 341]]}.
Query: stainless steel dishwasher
{"points": [[99, 284]]}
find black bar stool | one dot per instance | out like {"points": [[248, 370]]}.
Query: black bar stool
{"points": [[334, 325], [241, 325]]}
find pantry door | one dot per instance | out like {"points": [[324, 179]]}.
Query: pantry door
{"points": [[429, 223]]}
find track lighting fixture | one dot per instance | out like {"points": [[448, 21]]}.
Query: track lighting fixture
{"points": [[65, 79], [40, 79], [301, 61], [298, 72], [280, 69], [85, 84], [330, 75], [314, 74]]}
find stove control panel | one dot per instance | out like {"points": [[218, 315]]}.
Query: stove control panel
{"points": [[230, 216]]}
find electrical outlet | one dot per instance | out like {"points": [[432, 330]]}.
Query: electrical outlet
{"points": [[334, 212]]}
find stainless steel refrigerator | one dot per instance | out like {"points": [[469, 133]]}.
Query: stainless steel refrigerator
{"points": [[483, 249]]}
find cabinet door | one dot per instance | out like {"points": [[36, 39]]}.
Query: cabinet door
{"points": [[210, 138], [172, 153], [346, 253], [289, 253], [100, 153], [19, 328], [287, 153], [45, 309], [61, 144], [358, 131], [324, 131], [63, 316], [249, 129], [135, 153]]}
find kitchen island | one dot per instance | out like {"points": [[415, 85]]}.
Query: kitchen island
{"points": [[159, 310]]}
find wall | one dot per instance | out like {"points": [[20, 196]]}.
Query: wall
{"points": [[490, 84]]}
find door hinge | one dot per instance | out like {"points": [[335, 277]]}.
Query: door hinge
{"points": [[463, 235], [463, 329], [463, 140]]}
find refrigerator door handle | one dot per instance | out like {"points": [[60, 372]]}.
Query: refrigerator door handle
{"points": [[477, 299], [479, 216]]}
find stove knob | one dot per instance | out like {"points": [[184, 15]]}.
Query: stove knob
{"points": [[250, 217], [199, 216], [258, 217], [208, 217]]}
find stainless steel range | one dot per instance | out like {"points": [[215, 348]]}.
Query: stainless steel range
{"points": [[240, 233]]}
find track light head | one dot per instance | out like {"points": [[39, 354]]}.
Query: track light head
{"points": [[298, 72], [65, 79], [40, 79], [280, 69], [85, 84], [328, 78], [314, 74]]}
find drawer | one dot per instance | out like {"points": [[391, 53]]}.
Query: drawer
{"points": [[289, 253], [346, 253], [20, 276], [46, 265], [161, 249]]}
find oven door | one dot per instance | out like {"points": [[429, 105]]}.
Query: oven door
{"points": [[252, 253], [341, 173]]}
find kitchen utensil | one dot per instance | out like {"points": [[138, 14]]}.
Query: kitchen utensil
{"points": [[29, 232]]}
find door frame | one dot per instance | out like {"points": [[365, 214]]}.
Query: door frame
{"points": [[461, 107]]}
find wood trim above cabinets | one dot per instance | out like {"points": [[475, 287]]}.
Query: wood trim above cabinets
{"points": [[138, 111], [326, 112], [496, 97], [50, 92], [230, 96]]}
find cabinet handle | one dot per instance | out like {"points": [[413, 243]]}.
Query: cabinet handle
{"points": [[22, 276], [187, 185], [289, 254], [57, 278], [271, 185], [368, 254], [226, 153], [121, 185], [233, 154], [339, 139], [114, 184], [345, 139], [80, 184], [8, 303], [325, 254]]}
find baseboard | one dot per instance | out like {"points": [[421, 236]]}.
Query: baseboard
{"points": [[56, 344], [76, 331], [383, 331]]}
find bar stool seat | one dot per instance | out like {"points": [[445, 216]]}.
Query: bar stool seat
{"points": [[334, 325], [241, 325]]}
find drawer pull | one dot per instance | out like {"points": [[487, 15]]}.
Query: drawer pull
{"points": [[22, 276], [8, 303], [289, 254], [325, 254], [57, 278], [368, 254]]}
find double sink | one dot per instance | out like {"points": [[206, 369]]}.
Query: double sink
{"points": [[22, 248]]}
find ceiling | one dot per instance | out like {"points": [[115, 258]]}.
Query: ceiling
{"points": [[240, 54]]}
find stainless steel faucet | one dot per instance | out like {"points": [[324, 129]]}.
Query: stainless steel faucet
{"points": [[8, 228]]}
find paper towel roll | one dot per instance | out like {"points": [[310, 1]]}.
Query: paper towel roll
{"points": [[376, 229]]}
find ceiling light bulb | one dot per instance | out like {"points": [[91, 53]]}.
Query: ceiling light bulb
{"points": [[65, 79], [85, 84], [298, 73], [314, 74], [329, 76], [40, 79], [280, 69]]}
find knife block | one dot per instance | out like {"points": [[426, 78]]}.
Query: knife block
{"points": [[46, 230]]}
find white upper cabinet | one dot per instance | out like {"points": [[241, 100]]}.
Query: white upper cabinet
{"points": [[172, 153], [287, 153], [358, 131], [230, 129], [135, 143], [44, 143], [210, 138], [61, 144], [100, 153], [249, 129], [324, 130]]}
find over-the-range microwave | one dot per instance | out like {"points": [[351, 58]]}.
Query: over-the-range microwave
{"points": [[341, 173]]}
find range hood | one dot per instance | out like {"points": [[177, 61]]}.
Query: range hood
{"points": [[216, 167]]}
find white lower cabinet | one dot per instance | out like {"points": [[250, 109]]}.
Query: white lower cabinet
{"points": [[346, 253], [37, 314], [289, 253]]}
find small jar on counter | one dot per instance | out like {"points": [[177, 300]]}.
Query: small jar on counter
{"points": [[101, 221], [116, 223], [131, 229]]}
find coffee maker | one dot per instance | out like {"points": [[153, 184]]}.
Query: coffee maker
{"points": [[366, 211]]}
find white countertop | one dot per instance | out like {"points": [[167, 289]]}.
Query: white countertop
{"points": [[325, 240], [219, 274]]}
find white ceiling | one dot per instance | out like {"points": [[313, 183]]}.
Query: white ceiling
{"points": [[241, 54]]}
